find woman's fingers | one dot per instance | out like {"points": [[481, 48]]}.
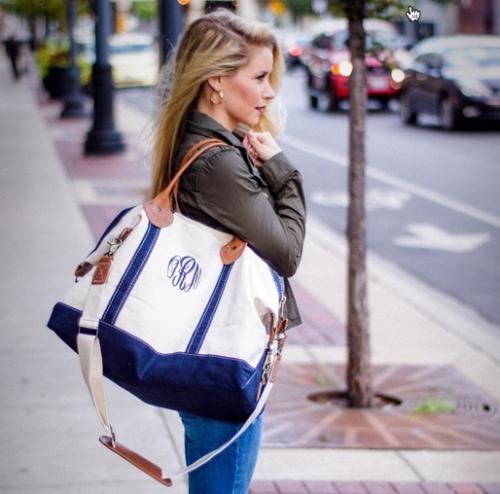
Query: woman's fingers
{"points": [[251, 150], [264, 144]]}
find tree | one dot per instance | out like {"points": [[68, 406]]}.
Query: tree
{"points": [[299, 8], [52, 10], [145, 10], [359, 386]]}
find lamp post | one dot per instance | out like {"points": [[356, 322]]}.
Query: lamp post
{"points": [[211, 5], [103, 138], [170, 26], [73, 98]]}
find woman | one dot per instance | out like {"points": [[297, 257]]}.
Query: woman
{"points": [[223, 76]]}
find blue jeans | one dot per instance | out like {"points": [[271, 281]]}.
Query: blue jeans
{"points": [[231, 471]]}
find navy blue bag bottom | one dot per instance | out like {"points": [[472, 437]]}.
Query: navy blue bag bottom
{"points": [[207, 385]]}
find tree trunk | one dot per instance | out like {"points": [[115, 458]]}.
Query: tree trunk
{"points": [[358, 372]]}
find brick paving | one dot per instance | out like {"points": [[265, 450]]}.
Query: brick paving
{"points": [[436, 488], [490, 487], [408, 488], [320, 326], [465, 488], [326, 487], [293, 420]]}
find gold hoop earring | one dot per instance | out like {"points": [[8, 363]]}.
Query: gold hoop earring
{"points": [[219, 101]]}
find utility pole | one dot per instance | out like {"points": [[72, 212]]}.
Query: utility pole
{"points": [[73, 97], [170, 26], [103, 138]]}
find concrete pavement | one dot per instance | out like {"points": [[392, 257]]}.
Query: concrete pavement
{"points": [[48, 427]]}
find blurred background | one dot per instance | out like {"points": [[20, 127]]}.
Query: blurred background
{"points": [[432, 205], [433, 89]]}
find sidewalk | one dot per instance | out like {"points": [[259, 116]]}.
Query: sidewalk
{"points": [[49, 427]]}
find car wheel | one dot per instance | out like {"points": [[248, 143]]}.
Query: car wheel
{"points": [[327, 101], [384, 104], [324, 103], [448, 115], [313, 99], [406, 111], [313, 102]]}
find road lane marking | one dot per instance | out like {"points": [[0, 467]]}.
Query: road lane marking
{"points": [[325, 266], [376, 198], [371, 171], [428, 236]]}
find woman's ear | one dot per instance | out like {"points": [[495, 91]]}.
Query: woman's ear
{"points": [[215, 83]]}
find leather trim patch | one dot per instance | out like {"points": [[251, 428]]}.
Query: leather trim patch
{"points": [[82, 269], [232, 250], [158, 215], [101, 272]]}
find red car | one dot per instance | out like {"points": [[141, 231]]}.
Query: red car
{"points": [[330, 65]]}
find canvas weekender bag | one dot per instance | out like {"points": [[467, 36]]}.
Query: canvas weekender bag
{"points": [[179, 314]]}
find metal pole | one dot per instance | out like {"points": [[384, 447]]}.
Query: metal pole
{"points": [[73, 97], [170, 26], [103, 138]]}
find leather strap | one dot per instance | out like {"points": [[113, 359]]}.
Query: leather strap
{"points": [[158, 209], [136, 459], [159, 213], [165, 478]]}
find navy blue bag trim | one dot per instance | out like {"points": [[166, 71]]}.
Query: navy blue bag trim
{"points": [[227, 386], [64, 321], [131, 274], [205, 321], [278, 281]]}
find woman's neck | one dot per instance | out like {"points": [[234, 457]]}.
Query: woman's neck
{"points": [[217, 113]]}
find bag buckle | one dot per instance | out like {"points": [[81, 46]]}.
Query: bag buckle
{"points": [[275, 345], [266, 370], [114, 245]]}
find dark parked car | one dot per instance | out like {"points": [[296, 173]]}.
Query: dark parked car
{"points": [[330, 66], [297, 52], [295, 45], [456, 78]]}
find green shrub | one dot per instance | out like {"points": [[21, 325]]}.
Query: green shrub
{"points": [[56, 54], [436, 405]]}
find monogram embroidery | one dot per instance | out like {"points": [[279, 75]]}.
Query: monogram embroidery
{"points": [[184, 272]]}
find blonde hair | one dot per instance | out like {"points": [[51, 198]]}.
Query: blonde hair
{"points": [[217, 44]]}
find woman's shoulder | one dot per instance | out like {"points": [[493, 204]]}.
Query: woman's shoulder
{"points": [[218, 164]]}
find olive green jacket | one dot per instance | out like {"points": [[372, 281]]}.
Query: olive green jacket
{"points": [[263, 206]]}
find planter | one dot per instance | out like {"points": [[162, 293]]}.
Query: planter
{"points": [[55, 81]]}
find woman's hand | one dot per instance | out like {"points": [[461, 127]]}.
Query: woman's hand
{"points": [[251, 151], [261, 146]]}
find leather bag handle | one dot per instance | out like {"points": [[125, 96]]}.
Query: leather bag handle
{"points": [[158, 209]]}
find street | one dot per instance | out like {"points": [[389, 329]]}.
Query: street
{"points": [[431, 197]]}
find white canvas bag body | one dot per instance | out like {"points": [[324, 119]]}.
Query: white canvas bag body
{"points": [[181, 315]]}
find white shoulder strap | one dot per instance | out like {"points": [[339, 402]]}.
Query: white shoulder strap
{"points": [[91, 364]]}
